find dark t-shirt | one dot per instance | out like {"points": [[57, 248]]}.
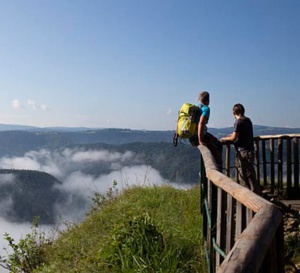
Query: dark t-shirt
{"points": [[243, 126]]}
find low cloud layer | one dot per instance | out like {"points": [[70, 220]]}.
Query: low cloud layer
{"points": [[83, 173], [71, 167]]}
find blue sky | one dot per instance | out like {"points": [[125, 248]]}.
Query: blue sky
{"points": [[132, 63]]}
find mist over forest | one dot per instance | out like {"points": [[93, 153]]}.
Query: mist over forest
{"points": [[54, 174], [76, 173], [61, 169]]}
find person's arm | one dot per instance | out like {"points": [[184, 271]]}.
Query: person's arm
{"points": [[201, 128], [232, 137]]}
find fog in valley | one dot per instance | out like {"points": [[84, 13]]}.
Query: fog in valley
{"points": [[81, 173]]}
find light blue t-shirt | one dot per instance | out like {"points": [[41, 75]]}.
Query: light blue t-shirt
{"points": [[205, 111]]}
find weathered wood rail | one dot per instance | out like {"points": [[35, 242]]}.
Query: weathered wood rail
{"points": [[276, 164], [244, 232]]}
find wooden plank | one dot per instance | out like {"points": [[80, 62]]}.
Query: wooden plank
{"points": [[277, 136], [257, 160], [289, 166], [238, 220], [214, 209], [251, 247], [227, 162], [240, 193], [224, 223], [204, 183], [249, 251], [219, 225], [230, 223], [272, 163], [292, 204], [264, 162], [296, 164], [280, 164], [249, 216]]}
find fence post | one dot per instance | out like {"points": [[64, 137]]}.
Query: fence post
{"points": [[296, 164], [257, 159], [289, 166], [272, 162], [280, 164], [264, 161]]}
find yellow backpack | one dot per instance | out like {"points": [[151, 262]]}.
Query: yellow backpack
{"points": [[186, 125]]}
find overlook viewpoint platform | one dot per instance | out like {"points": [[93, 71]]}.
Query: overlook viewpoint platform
{"points": [[244, 232]]}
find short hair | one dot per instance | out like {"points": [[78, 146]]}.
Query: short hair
{"points": [[238, 109], [203, 97]]}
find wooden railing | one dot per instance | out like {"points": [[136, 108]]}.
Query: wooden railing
{"points": [[243, 232], [276, 164]]}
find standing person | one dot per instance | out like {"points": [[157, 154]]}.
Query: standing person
{"points": [[242, 136], [204, 137]]}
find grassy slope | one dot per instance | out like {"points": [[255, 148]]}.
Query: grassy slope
{"points": [[172, 215]]}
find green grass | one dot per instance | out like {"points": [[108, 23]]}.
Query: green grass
{"points": [[155, 229]]}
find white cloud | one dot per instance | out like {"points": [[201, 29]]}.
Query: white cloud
{"points": [[103, 155], [31, 104], [25, 163], [141, 175], [84, 184], [16, 104]]}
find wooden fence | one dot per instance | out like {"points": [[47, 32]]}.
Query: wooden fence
{"points": [[243, 232], [276, 164]]}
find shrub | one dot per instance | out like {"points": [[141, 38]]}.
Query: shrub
{"points": [[28, 254]]}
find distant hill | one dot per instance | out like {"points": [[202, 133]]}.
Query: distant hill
{"points": [[15, 127], [258, 129], [17, 142], [27, 194], [11, 127]]}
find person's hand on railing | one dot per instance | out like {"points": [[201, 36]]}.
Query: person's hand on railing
{"points": [[230, 138]]}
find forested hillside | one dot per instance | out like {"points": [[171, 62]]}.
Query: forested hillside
{"points": [[20, 141], [86, 161], [27, 194]]}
